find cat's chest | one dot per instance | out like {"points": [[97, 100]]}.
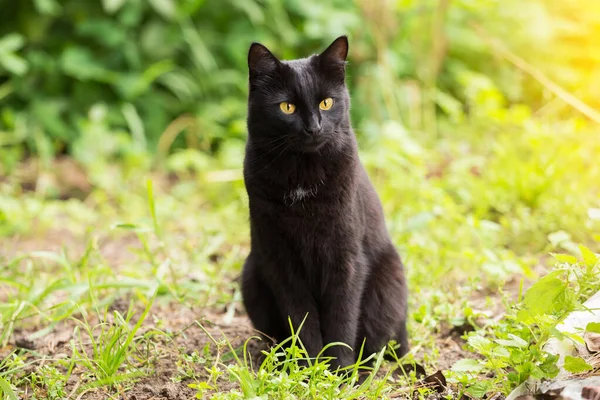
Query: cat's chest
{"points": [[305, 183], [300, 193]]}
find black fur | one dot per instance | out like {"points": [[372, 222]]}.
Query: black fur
{"points": [[319, 241]]}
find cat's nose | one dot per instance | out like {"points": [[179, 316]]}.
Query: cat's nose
{"points": [[312, 126], [313, 131]]}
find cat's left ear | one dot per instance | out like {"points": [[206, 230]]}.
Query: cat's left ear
{"points": [[333, 59], [337, 51]]}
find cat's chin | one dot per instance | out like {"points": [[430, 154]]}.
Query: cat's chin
{"points": [[312, 146]]}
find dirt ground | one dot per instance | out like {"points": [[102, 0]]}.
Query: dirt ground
{"points": [[186, 335], [189, 337]]}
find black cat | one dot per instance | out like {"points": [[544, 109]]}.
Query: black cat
{"points": [[319, 241]]}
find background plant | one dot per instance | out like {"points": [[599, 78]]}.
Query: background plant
{"points": [[108, 79]]}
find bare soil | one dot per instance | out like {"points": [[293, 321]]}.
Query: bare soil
{"points": [[161, 356], [161, 382]]}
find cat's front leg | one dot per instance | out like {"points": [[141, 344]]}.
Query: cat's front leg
{"points": [[339, 319], [297, 303], [340, 314]]}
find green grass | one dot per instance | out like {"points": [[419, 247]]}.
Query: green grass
{"points": [[111, 346], [469, 212], [281, 376]]}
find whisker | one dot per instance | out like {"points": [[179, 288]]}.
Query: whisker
{"points": [[277, 157], [276, 144]]}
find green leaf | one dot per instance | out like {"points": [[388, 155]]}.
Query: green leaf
{"points": [[574, 337], [549, 367], [14, 64], [166, 8], [47, 7], [152, 207], [112, 6], [545, 296], [479, 389], [131, 227], [576, 365], [136, 125], [79, 63], [589, 258], [132, 85], [536, 372], [6, 390], [566, 258], [11, 43], [50, 114], [467, 365], [479, 343], [200, 386], [105, 32], [500, 353], [593, 327], [556, 333], [518, 357], [514, 341]]}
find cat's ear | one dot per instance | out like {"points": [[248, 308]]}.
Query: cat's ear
{"points": [[337, 51], [261, 60], [333, 60]]}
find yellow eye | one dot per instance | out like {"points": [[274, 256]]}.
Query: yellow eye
{"points": [[326, 104], [287, 108]]}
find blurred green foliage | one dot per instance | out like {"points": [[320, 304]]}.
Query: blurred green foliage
{"points": [[458, 95], [135, 66], [111, 78]]}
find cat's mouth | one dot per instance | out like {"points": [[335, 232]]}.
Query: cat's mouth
{"points": [[312, 144]]}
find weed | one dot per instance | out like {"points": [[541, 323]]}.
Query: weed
{"points": [[287, 371], [49, 383], [514, 347], [111, 345]]}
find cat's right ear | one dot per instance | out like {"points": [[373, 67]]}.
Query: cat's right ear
{"points": [[261, 60]]}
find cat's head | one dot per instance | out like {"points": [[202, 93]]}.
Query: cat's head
{"points": [[299, 105]]}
